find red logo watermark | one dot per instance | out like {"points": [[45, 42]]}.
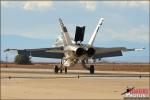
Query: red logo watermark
{"points": [[138, 94]]}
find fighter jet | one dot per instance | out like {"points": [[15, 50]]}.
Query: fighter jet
{"points": [[73, 51]]}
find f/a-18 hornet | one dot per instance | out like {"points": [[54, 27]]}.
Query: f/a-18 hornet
{"points": [[72, 51]]}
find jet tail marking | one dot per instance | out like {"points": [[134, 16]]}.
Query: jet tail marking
{"points": [[66, 37]]}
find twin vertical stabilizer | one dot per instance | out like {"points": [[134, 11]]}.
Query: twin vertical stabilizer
{"points": [[95, 32], [66, 37], [67, 40]]}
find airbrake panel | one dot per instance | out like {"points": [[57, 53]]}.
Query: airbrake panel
{"points": [[79, 34]]}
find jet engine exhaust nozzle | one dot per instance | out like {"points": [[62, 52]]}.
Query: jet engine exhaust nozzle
{"points": [[80, 51], [90, 52]]}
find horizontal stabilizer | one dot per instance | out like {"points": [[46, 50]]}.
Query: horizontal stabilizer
{"points": [[56, 52], [108, 54]]}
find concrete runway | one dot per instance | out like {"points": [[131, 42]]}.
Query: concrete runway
{"points": [[21, 83], [81, 73]]}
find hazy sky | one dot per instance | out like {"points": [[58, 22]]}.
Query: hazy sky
{"points": [[30, 24]]}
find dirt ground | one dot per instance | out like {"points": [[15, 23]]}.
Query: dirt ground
{"points": [[100, 67]]}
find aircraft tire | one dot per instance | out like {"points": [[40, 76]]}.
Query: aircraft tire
{"points": [[65, 70], [92, 69], [61, 70], [56, 69]]}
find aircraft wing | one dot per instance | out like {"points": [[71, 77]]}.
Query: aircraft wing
{"points": [[56, 52], [111, 52]]}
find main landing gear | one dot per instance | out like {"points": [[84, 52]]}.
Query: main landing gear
{"points": [[57, 69], [65, 70], [60, 68], [92, 69]]}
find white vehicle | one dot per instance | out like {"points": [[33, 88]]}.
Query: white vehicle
{"points": [[72, 51]]}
